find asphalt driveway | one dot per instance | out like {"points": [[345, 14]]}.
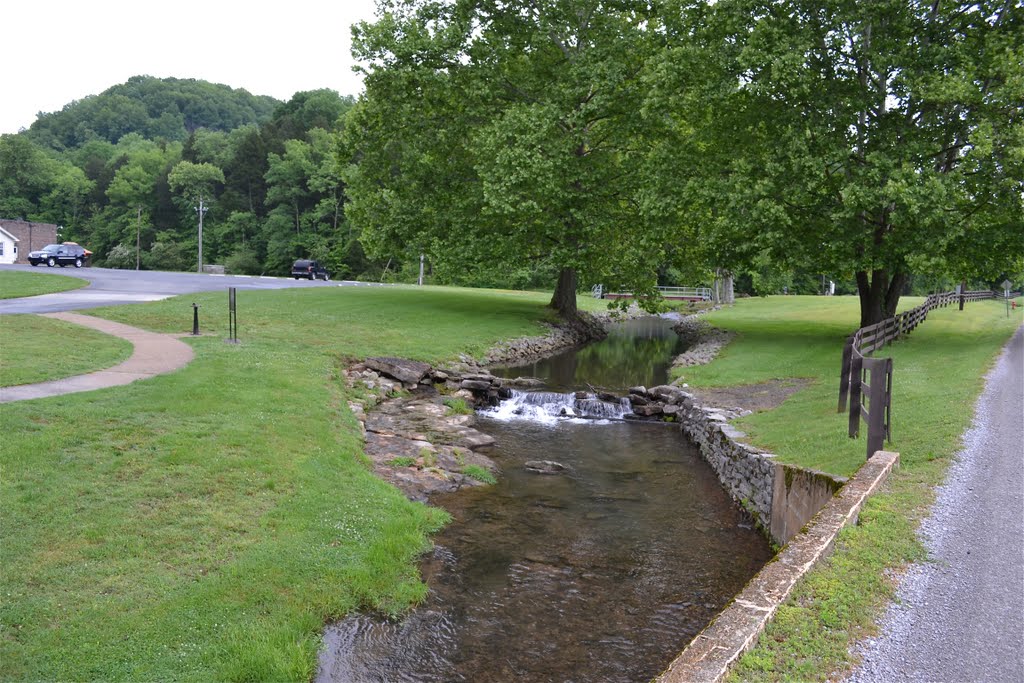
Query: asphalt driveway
{"points": [[109, 287]]}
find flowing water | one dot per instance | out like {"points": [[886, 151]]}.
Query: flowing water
{"points": [[602, 573]]}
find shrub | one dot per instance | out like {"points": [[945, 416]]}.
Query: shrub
{"points": [[458, 406], [243, 262], [480, 474]]}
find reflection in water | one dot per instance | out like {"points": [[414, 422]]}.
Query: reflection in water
{"points": [[636, 352], [602, 574]]}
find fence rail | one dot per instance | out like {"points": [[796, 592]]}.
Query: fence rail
{"points": [[867, 382]]}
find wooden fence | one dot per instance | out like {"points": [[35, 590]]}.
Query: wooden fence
{"points": [[868, 381]]}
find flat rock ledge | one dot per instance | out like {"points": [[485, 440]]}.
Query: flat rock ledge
{"points": [[418, 430]]}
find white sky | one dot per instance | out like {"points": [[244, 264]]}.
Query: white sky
{"points": [[56, 51]]}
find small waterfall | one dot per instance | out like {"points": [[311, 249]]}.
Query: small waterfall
{"points": [[549, 407]]}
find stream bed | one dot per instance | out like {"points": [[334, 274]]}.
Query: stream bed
{"points": [[601, 573]]}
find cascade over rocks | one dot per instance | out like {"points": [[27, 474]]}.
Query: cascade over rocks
{"points": [[419, 444]]}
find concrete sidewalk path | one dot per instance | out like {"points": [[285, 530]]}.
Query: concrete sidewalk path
{"points": [[155, 354]]}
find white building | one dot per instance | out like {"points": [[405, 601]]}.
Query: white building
{"points": [[8, 247]]}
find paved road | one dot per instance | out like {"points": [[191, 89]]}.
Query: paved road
{"points": [[109, 287], [961, 617]]}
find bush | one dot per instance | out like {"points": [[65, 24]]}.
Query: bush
{"points": [[166, 254], [121, 256], [243, 262]]}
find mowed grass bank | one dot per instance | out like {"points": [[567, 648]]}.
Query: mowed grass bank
{"points": [[939, 372], [15, 284], [204, 525], [38, 349]]}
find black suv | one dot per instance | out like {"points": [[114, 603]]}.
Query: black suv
{"points": [[59, 255], [310, 269]]}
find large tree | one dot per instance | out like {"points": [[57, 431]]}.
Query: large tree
{"points": [[865, 137], [496, 133]]}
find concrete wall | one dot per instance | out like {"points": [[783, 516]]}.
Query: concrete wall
{"points": [[797, 495]]}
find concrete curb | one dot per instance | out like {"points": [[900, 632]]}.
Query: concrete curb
{"points": [[154, 354], [736, 629]]}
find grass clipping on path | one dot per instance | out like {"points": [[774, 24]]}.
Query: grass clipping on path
{"points": [[15, 284], [206, 524], [939, 372], [38, 349]]}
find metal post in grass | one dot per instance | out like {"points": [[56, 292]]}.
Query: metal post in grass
{"points": [[195, 320], [232, 317]]}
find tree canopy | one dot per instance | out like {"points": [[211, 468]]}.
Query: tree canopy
{"points": [[865, 138], [509, 132]]}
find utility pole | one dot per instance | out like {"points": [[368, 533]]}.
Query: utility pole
{"points": [[138, 230], [201, 210]]}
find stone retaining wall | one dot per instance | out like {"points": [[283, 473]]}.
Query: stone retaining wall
{"points": [[781, 498]]}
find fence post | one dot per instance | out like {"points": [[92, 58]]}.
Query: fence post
{"points": [[844, 373], [888, 400], [877, 403], [857, 367]]}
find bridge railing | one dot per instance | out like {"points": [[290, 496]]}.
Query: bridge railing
{"points": [[688, 293], [867, 382]]}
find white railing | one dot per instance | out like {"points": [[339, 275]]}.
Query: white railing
{"points": [[693, 293]]}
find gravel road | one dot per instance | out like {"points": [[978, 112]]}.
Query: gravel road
{"points": [[960, 617]]}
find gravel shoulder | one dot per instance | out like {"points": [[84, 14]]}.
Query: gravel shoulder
{"points": [[960, 616]]}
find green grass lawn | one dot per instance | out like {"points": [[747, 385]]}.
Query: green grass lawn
{"points": [[15, 284], [204, 525], [37, 349], [938, 373]]}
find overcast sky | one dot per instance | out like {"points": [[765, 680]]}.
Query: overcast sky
{"points": [[56, 51]]}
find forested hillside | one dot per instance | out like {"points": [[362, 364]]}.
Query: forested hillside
{"points": [[122, 172], [156, 108]]}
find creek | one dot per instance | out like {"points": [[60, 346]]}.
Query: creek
{"points": [[601, 573]]}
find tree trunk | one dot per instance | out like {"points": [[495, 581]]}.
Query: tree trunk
{"points": [[879, 295], [564, 298]]}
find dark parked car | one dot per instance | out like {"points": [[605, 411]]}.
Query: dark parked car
{"points": [[59, 255], [310, 269]]}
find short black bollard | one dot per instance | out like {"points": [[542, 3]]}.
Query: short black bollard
{"points": [[195, 320], [232, 318]]}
